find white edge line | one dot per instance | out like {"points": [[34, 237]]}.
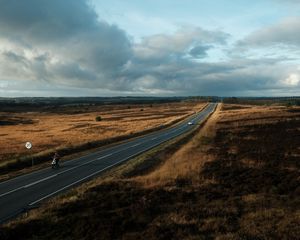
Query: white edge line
{"points": [[4, 194], [51, 176], [28, 185], [80, 180], [59, 173], [95, 173]]}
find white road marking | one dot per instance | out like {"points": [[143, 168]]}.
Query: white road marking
{"points": [[41, 180], [108, 155], [28, 185], [95, 173], [135, 145], [85, 163], [82, 179], [52, 176], [4, 194]]}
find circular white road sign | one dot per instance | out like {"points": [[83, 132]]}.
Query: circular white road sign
{"points": [[28, 145]]}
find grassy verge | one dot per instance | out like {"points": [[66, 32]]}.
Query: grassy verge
{"points": [[154, 158]]}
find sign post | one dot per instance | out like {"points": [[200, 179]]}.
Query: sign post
{"points": [[28, 145]]}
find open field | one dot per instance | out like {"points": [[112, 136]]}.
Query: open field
{"points": [[237, 178], [68, 126], [263, 101]]}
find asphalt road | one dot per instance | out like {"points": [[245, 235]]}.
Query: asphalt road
{"points": [[27, 191]]}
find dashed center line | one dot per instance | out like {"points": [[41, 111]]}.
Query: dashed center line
{"points": [[135, 145]]}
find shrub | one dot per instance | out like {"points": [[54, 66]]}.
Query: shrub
{"points": [[289, 104], [98, 119]]}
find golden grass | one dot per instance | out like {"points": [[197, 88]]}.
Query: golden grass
{"points": [[188, 160], [69, 127]]}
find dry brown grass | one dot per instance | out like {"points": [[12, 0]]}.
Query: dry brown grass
{"points": [[188, 160], [69, 126], [238, 178]]}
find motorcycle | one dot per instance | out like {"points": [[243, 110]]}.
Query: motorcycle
{"points": [[55, 164]]}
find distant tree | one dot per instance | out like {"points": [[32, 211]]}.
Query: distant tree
{"points": [[232, 100], [98, 119], [142, 109], [289, 104]]}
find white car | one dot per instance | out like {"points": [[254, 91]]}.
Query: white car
{"points": [[190, 123]]}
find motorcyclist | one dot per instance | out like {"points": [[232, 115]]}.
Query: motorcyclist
{"points": [[56, 159]]}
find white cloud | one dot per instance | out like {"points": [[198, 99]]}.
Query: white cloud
{"points": [[285, 32], [181, 42], [292, 80]]}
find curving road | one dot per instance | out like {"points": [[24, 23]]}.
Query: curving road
{"points": [[27, 191]]}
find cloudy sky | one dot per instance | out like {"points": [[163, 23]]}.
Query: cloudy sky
{"points": [[149, 47]]}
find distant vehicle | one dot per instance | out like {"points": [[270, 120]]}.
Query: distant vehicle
{"points": [[190, 123]]}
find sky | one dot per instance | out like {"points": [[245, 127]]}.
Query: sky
{"points": [[149, 48]]}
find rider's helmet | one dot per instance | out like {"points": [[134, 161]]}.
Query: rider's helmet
{"points": [[56, 155]]}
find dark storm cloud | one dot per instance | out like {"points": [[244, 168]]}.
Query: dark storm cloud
{"points": [[63, 36], [235, 77], [199, 51], [44, 20], [11, 56], [73, 71]]}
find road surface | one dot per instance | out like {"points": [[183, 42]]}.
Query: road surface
{"points": [[27, 191]]}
